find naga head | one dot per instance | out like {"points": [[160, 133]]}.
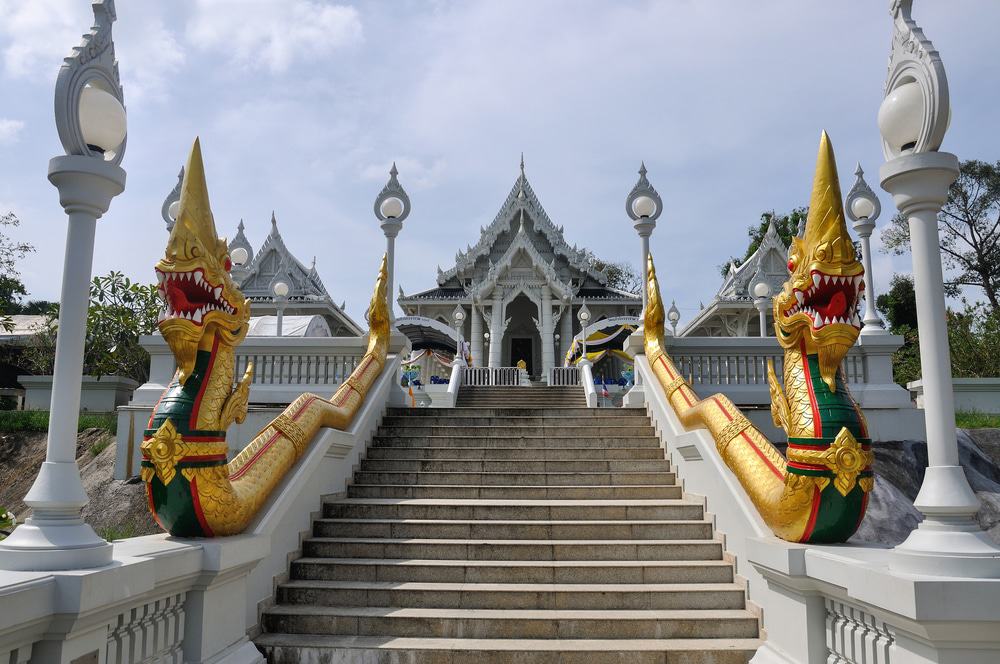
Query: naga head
{"points": [[202, 300], [819, 302], [378, 309]]}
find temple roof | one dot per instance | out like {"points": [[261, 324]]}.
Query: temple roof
{"points": [[521, 198], [768, 264]]}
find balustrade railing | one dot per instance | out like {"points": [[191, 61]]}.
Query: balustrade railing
{"points": [[737, 366], [486, 376], [564, 376]]}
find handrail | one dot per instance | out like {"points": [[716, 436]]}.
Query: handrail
{"points": [[487, 376], [455, 383], [587, 379]]}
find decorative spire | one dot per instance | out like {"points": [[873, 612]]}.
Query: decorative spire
{"points": [[240, 227], [274, 225], [642, 189]]}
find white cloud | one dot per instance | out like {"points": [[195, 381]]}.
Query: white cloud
{"points": [[272, 34], [9, 130], [40, 33]]}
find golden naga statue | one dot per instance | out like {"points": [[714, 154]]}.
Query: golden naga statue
{"points": [[192, 490], [819, 492]]}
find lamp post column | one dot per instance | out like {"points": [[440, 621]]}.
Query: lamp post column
{"points": [[392, 206], [643, 205], [913, 119], [863, 208], [566, 333], [91, 121]]}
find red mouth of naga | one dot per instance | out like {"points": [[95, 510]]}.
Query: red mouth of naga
{"points": [[188, 295], [830, 300]]}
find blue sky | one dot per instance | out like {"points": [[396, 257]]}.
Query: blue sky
{"points": [[302, 105]]}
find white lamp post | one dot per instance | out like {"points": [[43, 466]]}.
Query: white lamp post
{"points": [[643, 206], [280, 290], [392, 206], [863, 208], [90, 118], [673, 315], [584, 316], [172, 203], [913, 119], [761, 293]]}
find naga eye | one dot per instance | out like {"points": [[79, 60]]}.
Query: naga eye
{"points": [[791, 266], [228, 265]]}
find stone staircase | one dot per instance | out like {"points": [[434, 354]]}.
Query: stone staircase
{"points": [[531, 532]]}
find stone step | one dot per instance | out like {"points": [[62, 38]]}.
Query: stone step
{"points": [[522, 403], [588, 596], [513, 571], [510, 623], [512, 530], [509, 510], [596, 431], [576, 412], [602, 492], [327, 649], [461, 440], [514, 478], [497, 549], [516, 453], [523, 465], [444, 419]]}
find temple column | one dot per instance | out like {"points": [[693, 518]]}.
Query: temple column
{"points": [[548, 352], [476, 332], [496, 332], [566, 334]]}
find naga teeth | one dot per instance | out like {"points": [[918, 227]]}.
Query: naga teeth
{"points": [[197, 316], [218, 292], [817, 319], [197, 277], [799, 297], [816, 280]]}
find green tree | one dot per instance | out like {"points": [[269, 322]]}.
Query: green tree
{"points": [[969, 225], [621, 275], [974, 336], [11, 286], [899, 304], [787, 226], [120, 312]]}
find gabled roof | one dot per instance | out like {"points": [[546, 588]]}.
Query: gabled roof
{"points": [[521, 198], [521, 242], [767, 264], [273, 259]]}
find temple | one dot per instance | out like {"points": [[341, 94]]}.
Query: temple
{"points": [[307, 296], [520, 288]]}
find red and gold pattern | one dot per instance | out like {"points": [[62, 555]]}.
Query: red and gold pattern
{"points": [[819, 493], [205, 319]]}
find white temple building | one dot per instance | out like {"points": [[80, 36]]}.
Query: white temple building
{"points": [[732, 312], [520, 289], [307, 296]]}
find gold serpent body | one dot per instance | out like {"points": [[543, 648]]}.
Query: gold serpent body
{"points": [[819, 492], [192, 491]]}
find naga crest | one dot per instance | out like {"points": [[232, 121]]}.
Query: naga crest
{"points": [[203, 303], [818, 305]]}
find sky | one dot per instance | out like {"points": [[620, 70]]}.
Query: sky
{"points": [[303, 105]]}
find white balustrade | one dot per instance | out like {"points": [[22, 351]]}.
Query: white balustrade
{"points": [[486, 376], [564, 376]]}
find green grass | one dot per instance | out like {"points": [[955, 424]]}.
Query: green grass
{"points": [[971, 419], [122, 531], [12, 421], [100, 446]]}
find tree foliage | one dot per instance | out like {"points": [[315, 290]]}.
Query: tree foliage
{"points": [[11, 286], [621, 275], [899, 304], [969, 225], [787, 226], [120, 312]]}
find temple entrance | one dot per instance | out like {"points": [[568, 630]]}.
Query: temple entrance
{"points": [[521, 349]]}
